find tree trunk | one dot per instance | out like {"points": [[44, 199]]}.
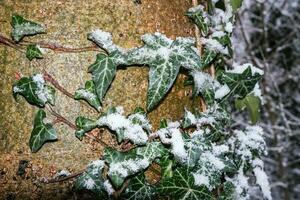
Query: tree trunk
{"points": [[68, 23]]}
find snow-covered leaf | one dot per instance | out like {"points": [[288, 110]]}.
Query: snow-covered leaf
{"points": [[35, 90], [152, 150], [33, 51], [89, 94], [122, 165], [197, 14], [182, 186], [252, 104], [138, 188], [163, 55], [41, 133], [92, 180], [23, 27], [241, 84]]}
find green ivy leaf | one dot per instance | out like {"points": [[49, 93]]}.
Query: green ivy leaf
{"points": [[163, 55], [240, 84], [138, 188], [41, 132], [23, 27], [84, 125], [103, 71], [181, 186], [152, 150], [236, 4], [197, 15], [92, 180], [33, 51], [208, 57], [34, 90], [89, 95], [122, 165], [252, 103]]}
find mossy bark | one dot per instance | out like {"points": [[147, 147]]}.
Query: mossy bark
{"points": [[67, 23]]}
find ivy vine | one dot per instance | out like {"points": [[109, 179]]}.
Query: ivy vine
{"points": [[198, 157]]}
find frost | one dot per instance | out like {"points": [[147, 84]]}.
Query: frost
{"points": [[108, 187], [222, 92], [97, 164], [196, 9], [42, 92]]}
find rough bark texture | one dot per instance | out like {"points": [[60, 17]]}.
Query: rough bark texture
{"points": [[67, 23]]}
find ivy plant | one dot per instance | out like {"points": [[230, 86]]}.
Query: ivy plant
{"points": [[198, 157]]}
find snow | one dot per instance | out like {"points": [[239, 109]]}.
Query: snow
{"points": [[214, 45], [190, 116], [241, 184], [239, 69], [258, 93], [172, 135], [116, 122], [97, 163], [62, 173], [87, 95], [228, 27], [127, 167], [201, 179], [16, 89], [248, 140], [103, 39], [108, 187], [261, 178], [89, 183], [42, 92], [196, 9], [222, 92], [218, 34], [202, 80]]}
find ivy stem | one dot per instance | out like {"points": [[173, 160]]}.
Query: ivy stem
{"points": [[55, 180], [60, 118], [52, 46], [55, 83]]}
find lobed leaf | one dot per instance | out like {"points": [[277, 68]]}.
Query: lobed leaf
{"points": [[41, 132]]}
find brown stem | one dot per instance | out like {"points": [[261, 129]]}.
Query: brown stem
{"points": [[55, 83], [54, 47], [60, 118], [119, 192], [55, 180]]}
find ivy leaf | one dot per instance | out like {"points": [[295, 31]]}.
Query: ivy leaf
{"points": [[23, 27], [41, 132], [89, 95], [103, 71], [208, 57], [34, 90], [197, 15], [84, 125], [122, 165], [163, 55], [152, 151], [92, 180], [33, 51], [181, 186], [236, 4], [252, 104], [241, 84], [138, 188]]}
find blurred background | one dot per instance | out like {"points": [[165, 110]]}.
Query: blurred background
{"points": [[268, 35]]}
